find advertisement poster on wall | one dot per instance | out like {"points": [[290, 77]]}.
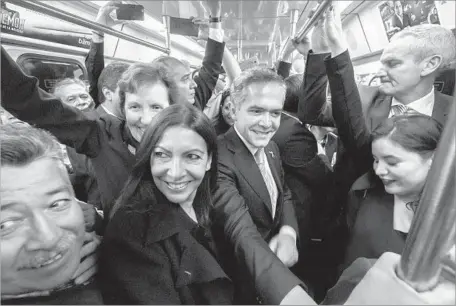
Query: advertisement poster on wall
{"points": [[23, 22], [397, 15]]}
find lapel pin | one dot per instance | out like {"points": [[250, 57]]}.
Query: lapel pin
{"points": [[272, 154]]}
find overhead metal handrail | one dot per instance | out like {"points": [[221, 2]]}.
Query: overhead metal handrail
{"points": [[312, 20], [433, 229], [54, 12], [305, 29]]}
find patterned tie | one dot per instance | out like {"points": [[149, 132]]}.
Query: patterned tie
{"points": [[260, 158], [398, 109], [401, 109]]}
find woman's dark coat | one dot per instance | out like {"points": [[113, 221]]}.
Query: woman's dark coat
{"points": [[160, 256]]}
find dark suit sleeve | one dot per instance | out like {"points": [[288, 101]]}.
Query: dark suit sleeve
{"points": [[94, 63], [283, 69], [300, 157], [22, 97], [273, 280], [348, 111], [133, 272], [210, 71], [289, 214], [312, 107]]}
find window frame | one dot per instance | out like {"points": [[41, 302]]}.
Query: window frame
{"points": [[27, 56]]}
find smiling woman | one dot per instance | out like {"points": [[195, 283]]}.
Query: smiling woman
{"points": [[158, 247], [403, 149], [144, 92]]}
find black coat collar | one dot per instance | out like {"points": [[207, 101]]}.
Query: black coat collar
{"points": [[167, 219]]}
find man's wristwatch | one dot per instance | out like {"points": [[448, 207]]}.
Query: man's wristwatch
{"points": [[215, 19]]}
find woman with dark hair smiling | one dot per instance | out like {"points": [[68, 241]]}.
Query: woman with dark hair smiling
{"points": [[380, 214], [158, 247]]}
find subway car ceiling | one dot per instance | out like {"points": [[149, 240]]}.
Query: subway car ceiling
{"points": [[254, 30]]}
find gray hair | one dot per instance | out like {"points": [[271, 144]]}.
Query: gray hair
{"points": [[65, 82], [252, 76], [431, 39], [23, 144]]}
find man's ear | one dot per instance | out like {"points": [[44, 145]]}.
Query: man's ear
{"points": [[431, 64], [107, 93]]}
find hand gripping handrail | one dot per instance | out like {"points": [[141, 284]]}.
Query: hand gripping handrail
{"points": [[305, 29]]}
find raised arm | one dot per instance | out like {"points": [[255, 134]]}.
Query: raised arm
{"points": [[346, 101], [285, 60], [94, 60], [231, 66], [22, 97], [313, 107], [212, 62]]}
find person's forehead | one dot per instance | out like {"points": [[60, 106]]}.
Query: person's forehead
{"points": [[73, 88], [269, 88], [188, 140], [385, 146], [180, 70], [397, 48], [37, 178]]}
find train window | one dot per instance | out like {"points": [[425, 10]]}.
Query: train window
{"points": [[49, 70]]}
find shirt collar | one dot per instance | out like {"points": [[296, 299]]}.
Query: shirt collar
{"points": [[251, 148], [109, 112], [423, 105], [403, 216]]}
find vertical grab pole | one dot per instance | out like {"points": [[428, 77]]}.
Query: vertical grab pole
{"points": [[239, 41], [433, 229], [294, 14], [166, 22]]}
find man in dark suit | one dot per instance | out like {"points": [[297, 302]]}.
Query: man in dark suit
{"points": [[253, 207], [410, 64]]}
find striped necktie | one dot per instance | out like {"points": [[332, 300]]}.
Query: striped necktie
{"points": [[401, 109], [260, 158], [398, 109]]}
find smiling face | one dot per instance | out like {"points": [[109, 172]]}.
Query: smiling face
{"points": [[142, 106], [179, 163], [42, 227], [400, 72], [75, 95], [257, 118], [402, 172]]}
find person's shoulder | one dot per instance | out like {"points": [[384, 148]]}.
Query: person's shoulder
{"points": [[443, 98], [128, 222]]}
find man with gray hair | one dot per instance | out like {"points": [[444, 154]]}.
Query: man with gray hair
{"points": [[253, 206], [74, 92], [43, 235], [410, 64]]}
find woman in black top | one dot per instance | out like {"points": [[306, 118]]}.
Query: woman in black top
{"points": [[158, 248], [109, 142]]}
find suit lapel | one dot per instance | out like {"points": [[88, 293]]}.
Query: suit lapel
{"points": [[246, 165], [273, 165], [440, 110], [379, 111]]}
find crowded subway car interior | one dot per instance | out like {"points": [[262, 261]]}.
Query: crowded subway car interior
{"points": [[228, 152]]}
